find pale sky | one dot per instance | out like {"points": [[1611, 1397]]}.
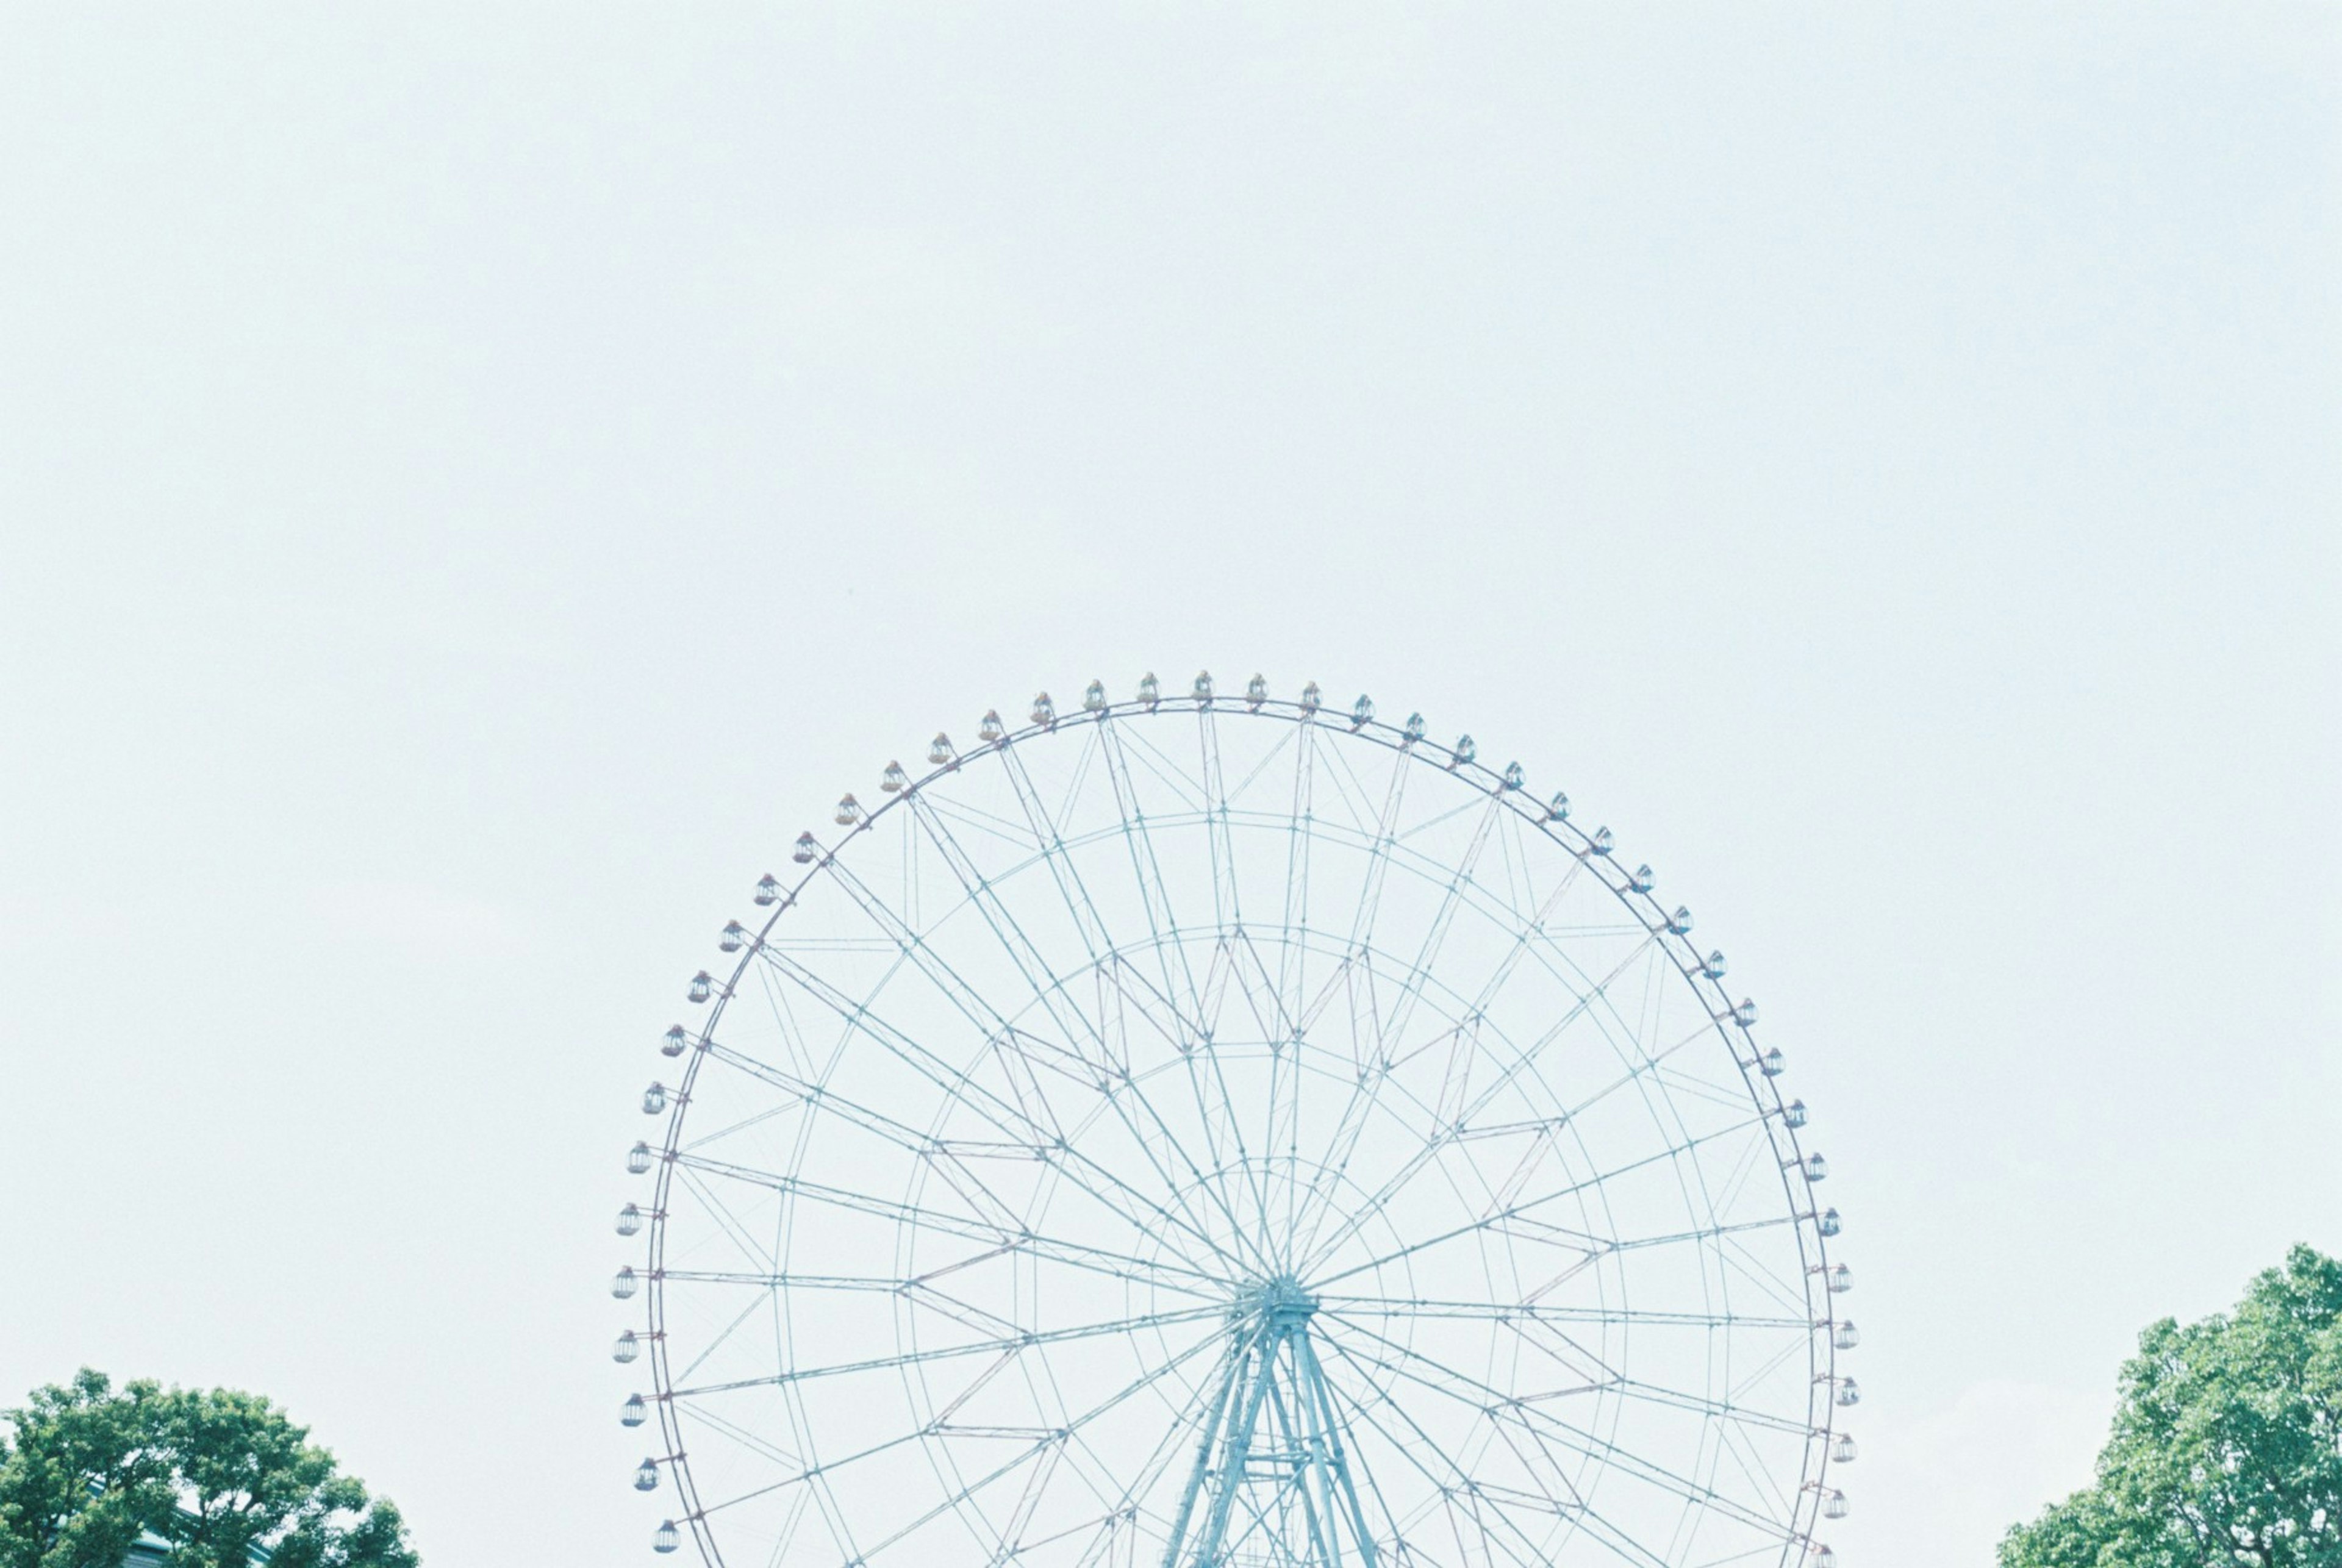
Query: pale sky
{"points": [[477, 482]]}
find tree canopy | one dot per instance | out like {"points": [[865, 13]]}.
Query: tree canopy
{"points": [[2226, 1446], [88, 1469]]}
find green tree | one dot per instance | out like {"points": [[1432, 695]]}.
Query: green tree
{"points": [[215, 1473], [2226, 1446]]}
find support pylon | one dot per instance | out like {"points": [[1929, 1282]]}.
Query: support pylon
{"points": [[1271, 1482]]}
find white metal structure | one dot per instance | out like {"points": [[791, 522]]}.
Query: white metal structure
{"points": [[1213, 1129]]}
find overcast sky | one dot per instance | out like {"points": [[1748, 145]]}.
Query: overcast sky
{"points": [[476, 481]]}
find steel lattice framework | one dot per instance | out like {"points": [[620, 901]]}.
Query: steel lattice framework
{"points": [[1217, 1130]]}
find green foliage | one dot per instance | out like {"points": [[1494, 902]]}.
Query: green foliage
{"points": [[215, 1473], [2227, 1446]]}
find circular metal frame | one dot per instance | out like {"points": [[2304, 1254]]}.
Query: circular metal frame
{"points": [[1278, 1337]]}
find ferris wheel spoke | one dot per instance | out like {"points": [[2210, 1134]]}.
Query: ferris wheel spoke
{"points": [[1524, 939], [1119, 1095], [1346, 1306], [1016, 1342], [1706, 1232], [1378, 855], [1461, 875], [988, 1021], [1245, 1250], [1227, 907], [1178, 972], [1002, 1114], [1012, 1236], [1355, 1118], [1219, 1108], [1515, 1211], [1294, 952], [1116, 1095], [1416, 1445], [1033, 967], [1154, 892], [1292, 970], [819, 1471], [1618, 1542], [1433, 1374], [1357, 1106], [1124, 1508], [1053, 1439], [1451, 896], [1096, 938], [1054, 996], [886, 1285], [950, 1160], [1445, 1139], [1227, 924]]}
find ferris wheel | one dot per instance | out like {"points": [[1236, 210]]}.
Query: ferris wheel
{"points": [[1213, 1129]]}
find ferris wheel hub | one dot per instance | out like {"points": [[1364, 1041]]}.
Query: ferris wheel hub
{"points": [[1274, 1302]]}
